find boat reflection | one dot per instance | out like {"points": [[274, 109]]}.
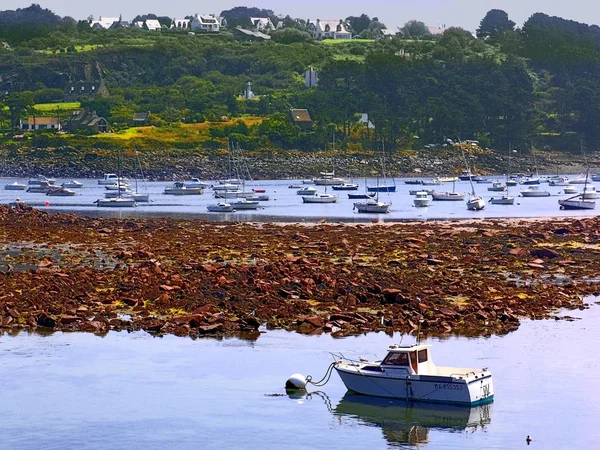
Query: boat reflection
{"points": [[409, 423]]}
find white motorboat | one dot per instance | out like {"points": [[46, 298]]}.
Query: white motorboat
{"points": [[111, 178], [236, 193], [196, 183], [329, 181], [60, 191], [118, 202], [39, 180], [570, 190], [220, 207], [41, 188], [16, 186], [73, 184], [511, 182], [308, 181], [320, 197], [307, 191], [372, 206], [243, 203], [576, 202], [408, 373], [447, 179], [560, 181], [345, 187], [179, 188], [226, 187], [432, 182], [421, 199], [504, 200], [534, 191], [447, 196], [497, 187], [590, 193], [122, 186]]}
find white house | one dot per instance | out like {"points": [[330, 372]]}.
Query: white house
{"points": [[328, 29], [207, 22], [104, 22], [41, 123], [181, 24], [262, 23], [152, 25]]}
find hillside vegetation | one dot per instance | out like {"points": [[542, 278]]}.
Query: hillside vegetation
{"points": [[536, 85]]}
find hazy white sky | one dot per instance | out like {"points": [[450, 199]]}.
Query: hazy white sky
{"points": [[464, 13]]}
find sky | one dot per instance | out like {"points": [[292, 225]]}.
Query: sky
{"points": [[394, 13]]}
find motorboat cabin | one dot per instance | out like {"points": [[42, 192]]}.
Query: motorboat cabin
{"points": [[408, 373]]}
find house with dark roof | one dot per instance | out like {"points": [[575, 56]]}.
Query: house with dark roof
{"points": [[328, 29], [141, 119], [301, 117], [86, 120]]}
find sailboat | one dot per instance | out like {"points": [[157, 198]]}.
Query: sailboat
{"points": [[504, 199], [579, 201], [475, 202], [383, 187], [363, 196], [329, 178], [448, 196], [136, 194], [320, 197], [373, 205], [118, 201]]}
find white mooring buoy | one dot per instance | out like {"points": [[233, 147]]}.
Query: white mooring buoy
{"points": [[296, 381]]}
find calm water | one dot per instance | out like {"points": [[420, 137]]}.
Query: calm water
{"points": [[286, 205], [127, 391]]}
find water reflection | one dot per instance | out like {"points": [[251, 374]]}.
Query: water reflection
{"points": [[410, 423]]}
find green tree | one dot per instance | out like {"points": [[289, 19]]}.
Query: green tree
{"points": [[494, 25], [415, 29], [18, 103]]}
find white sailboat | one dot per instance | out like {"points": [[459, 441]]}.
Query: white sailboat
{"points": [[583, 200], [505, 199], [117, 202], [474, 202]]}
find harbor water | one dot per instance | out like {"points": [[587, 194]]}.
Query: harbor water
{"points": [[285, 205], [132, 390]]}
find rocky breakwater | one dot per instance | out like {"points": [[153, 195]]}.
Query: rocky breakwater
{"points": [[193, 278]]}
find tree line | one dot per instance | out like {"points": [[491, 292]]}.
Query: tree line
{"points": [[504, 85]]}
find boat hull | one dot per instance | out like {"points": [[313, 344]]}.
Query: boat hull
{"points": [[421, 203], [447, 196], [535, 194], [381, 188], [503, 201], [577, 204], [116, 202], [15, 187], [320, 198], [372, 207], [475, 204], [419, 388]]}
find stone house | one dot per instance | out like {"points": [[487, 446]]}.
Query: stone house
{"points": [[86, 120]]}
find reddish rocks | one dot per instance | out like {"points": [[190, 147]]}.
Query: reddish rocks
{"points": [[192, 278]]}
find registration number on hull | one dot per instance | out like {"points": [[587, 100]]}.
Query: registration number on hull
{"points": [[449, 386]]}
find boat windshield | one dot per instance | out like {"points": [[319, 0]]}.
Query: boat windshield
{"points": [[396, 359]]}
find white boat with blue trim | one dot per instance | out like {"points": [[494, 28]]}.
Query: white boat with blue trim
{"points": [[408, 373]]}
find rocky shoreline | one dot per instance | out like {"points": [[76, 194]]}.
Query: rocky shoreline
{"points": [[70, 163], [194, 278]]}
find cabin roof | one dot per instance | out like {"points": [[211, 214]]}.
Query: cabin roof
{"points": [[408, 348]]}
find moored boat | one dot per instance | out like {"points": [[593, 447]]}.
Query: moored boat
{"points": [[73, 184], [16, 186], [307, 191], [497, 187], [504, 200], [179, 188], [111, 178], [447, 196], [42, 188], [345, 187], [320, 197], [421, 199], [243, 203], [220, 207], [534, 191], [408, 373], [39, 180], [576, 202], [372, 206], [118, 202], [60, 191]]}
